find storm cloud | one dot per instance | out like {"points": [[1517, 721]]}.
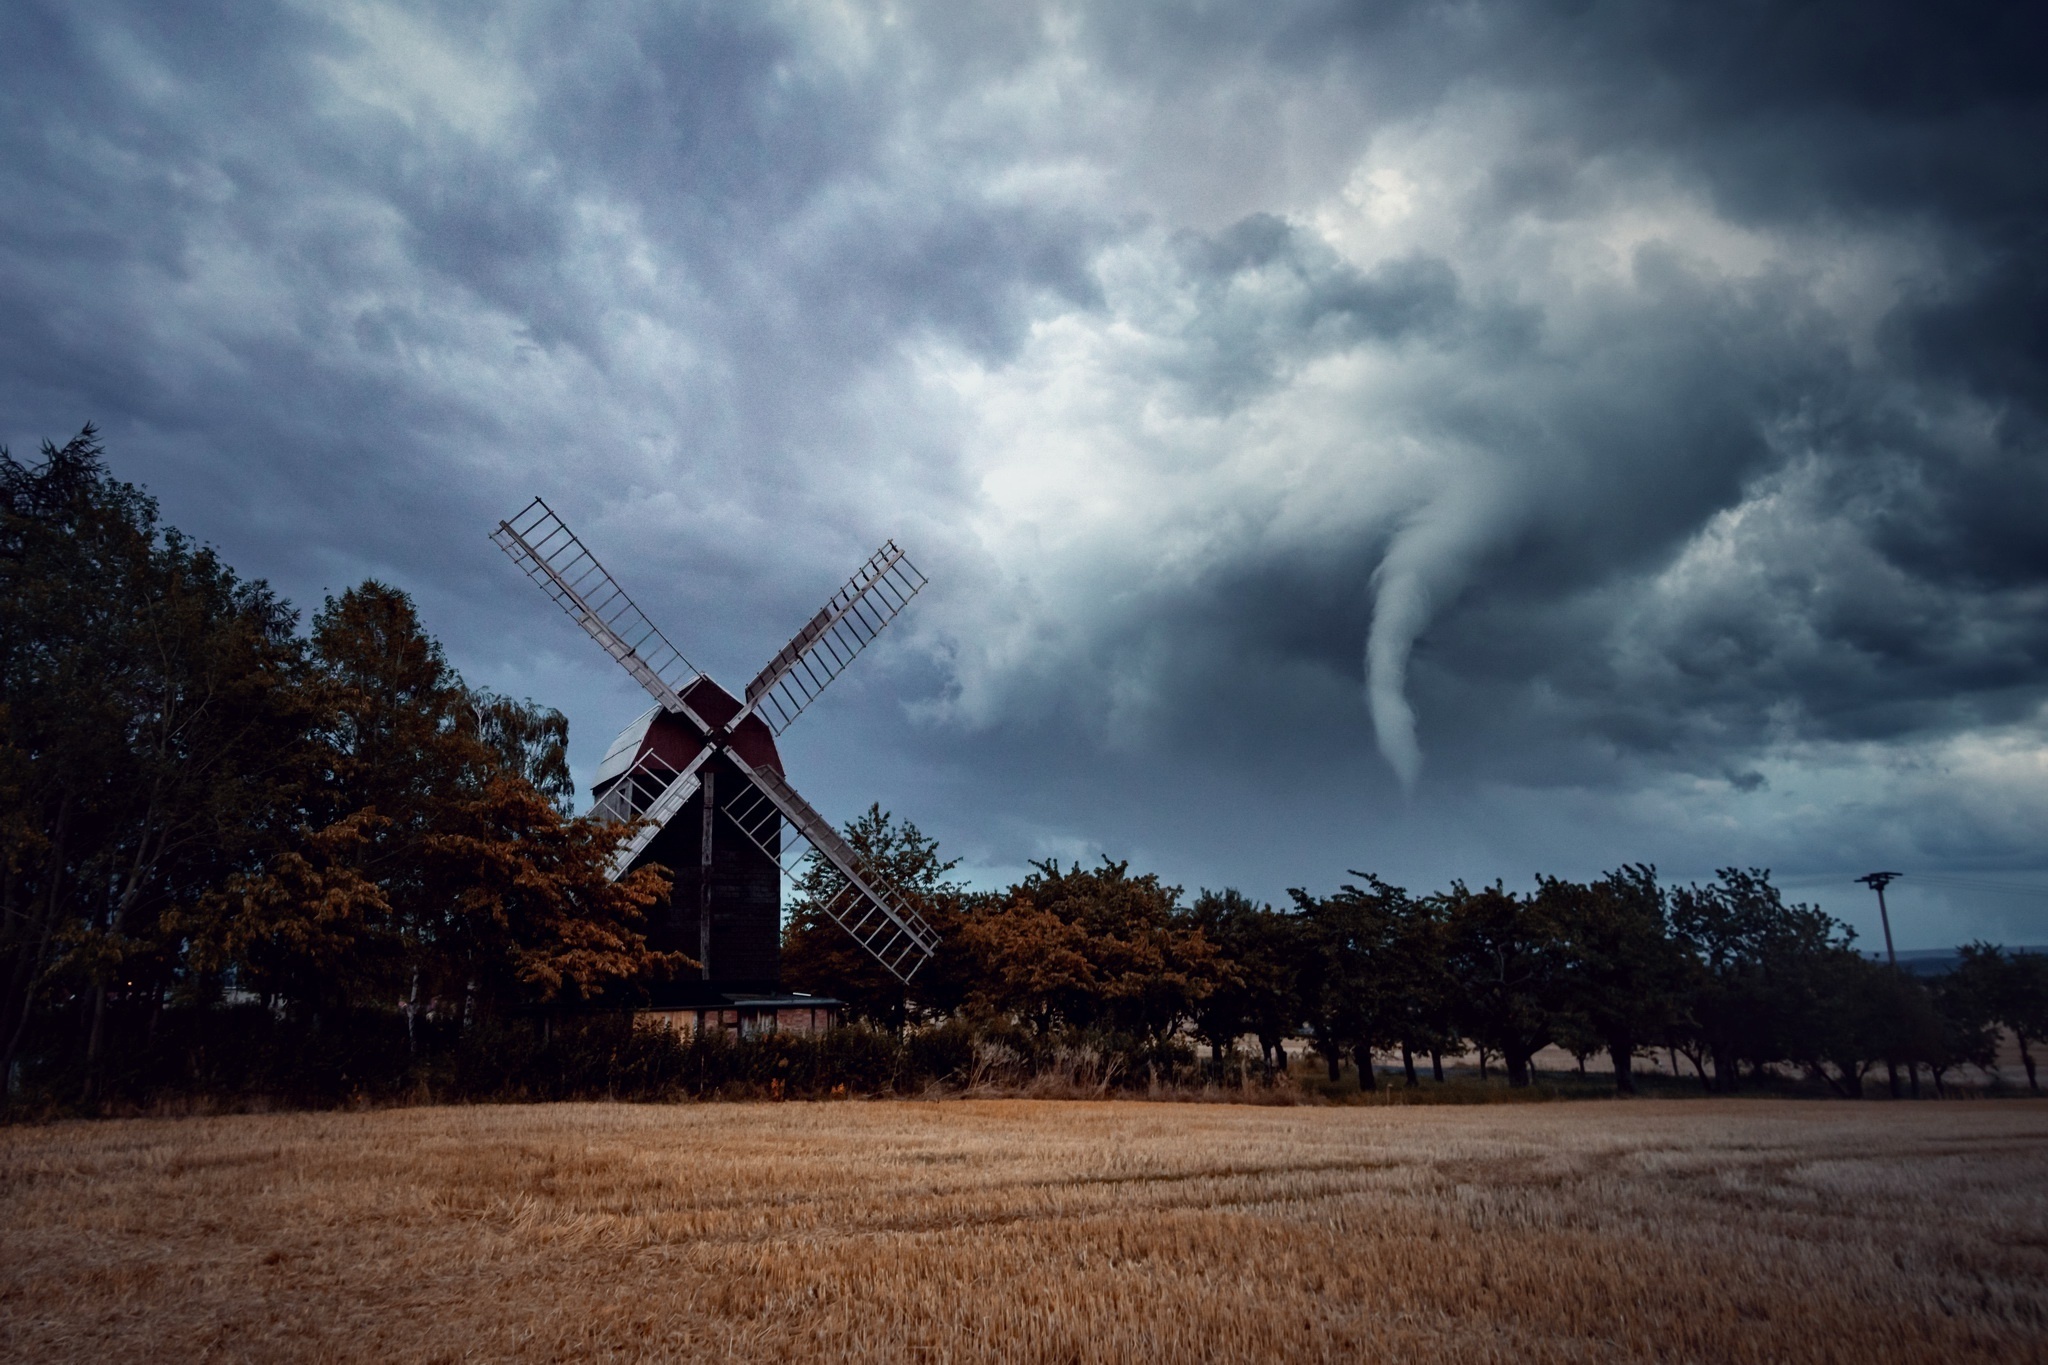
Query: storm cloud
{"points": [[1448, 440]]}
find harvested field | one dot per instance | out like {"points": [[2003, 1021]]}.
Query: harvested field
{"points": [[1023, 1230]]}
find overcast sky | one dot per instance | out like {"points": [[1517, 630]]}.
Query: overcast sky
{"points": [[1445, 440]]}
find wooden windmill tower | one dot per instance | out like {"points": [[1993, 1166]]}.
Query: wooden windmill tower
{"points": [[701, 767]]}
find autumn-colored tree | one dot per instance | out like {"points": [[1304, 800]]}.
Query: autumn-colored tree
{"points": [[534, 913], [1090, 947], [435, 861], [1033, 966]]}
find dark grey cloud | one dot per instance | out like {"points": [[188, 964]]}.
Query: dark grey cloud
{"points": [[1623, 420]]}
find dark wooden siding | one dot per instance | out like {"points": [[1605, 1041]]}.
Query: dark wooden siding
{"points": [[746, 894]]}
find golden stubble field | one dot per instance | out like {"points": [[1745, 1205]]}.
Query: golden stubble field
{"points": [[1036, 1230]]}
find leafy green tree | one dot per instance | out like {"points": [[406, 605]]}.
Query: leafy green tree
{"points": [[1762, 974], [1231, 921], [531, 742], [1506, 954], [2023, 1005], [1256, 990], [820, 958], [1867, 1012], [1423, 996], [2005, 989], [1967, 1020], [1349, 977], [1621, 970]]}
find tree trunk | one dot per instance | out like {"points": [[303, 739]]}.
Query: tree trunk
{"points": [[1436, 1064], [1727, 1075], [1891, 1071], [1518, 1067], [1368, 1079], [2027, 1061], [92, 1044], [30, 965], [1623, 1058], [1335, 1058], [1482, 1063], [1408, 1064], [412, 1009]]}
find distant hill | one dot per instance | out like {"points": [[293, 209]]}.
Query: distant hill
{"points": [[1941, 961]]}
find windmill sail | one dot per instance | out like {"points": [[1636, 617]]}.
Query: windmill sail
{"points": [[877, 916], [552, 556], [829, 641], [654, 790]]}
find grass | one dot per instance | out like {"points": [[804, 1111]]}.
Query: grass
{"points": [[1711, 1230]]}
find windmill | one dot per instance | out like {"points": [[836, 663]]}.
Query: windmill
{"points": [[701, 753]]}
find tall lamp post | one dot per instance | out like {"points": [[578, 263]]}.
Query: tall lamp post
{"points": [[1878, 881]]}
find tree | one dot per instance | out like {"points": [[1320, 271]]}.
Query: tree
{"points": [[819, 957], [1506, 957], [1866, 1012], [431, 857], [1621, 970], [1967, 1019], [1090, 948], [2009, 989], [531, 742], [535, 914], [1761, 972], [1349, 981], [155, 710], [1257, 986], [1422, 993], [1228, 919]]}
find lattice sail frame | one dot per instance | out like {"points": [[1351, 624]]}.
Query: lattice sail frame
{"points": [[541, 544], [872, 911], [653, 789], [819, 652]]}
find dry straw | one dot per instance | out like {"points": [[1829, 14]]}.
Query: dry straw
{"points": [[1022, 1230]]}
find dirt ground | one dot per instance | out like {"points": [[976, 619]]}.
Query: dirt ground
{"points": [[1028, 1230]]}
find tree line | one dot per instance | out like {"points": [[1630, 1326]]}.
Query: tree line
{"points": [[243, 854], [1727, 975]]}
